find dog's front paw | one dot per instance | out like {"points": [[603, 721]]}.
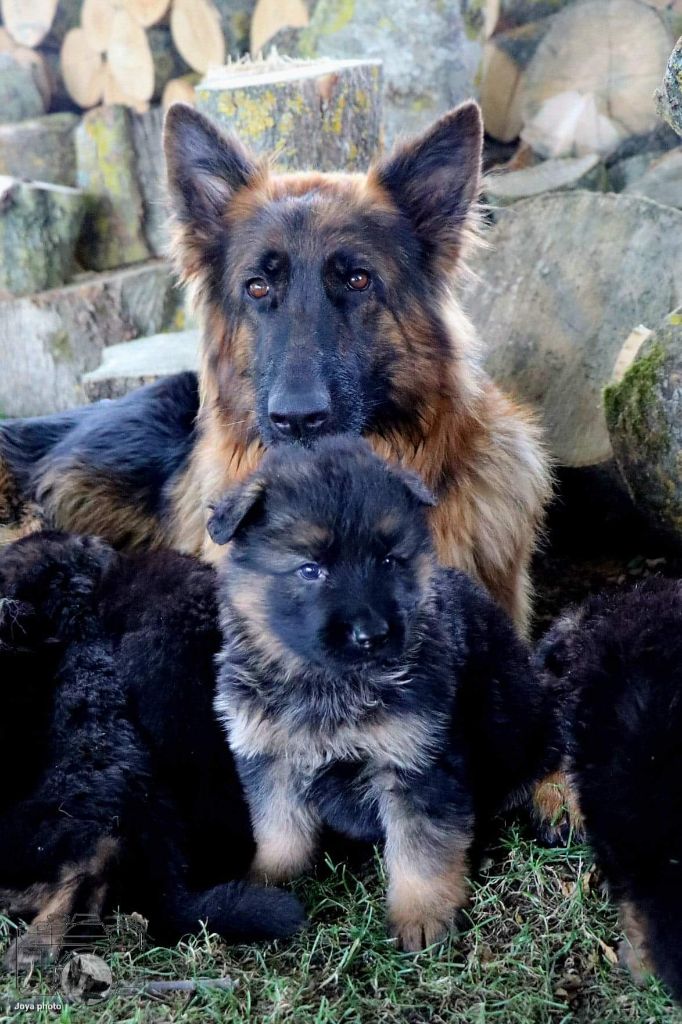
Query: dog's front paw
{"points": [[556, 813], [414, 930]]}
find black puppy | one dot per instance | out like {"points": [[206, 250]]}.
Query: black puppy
{"points": [[120, 788], [616, 665], [362, 687]]}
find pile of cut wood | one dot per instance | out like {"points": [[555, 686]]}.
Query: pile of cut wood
{"points": [[574, 82], [130, 52]]}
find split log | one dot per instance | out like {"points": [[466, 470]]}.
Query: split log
{"points": [[39, 225], [129, 58], [643, 417], [554, 321], [181, 90], [147, 12], [47, 341], [20, 95], [503, 188], [82, 69], [669, 96], [615, 85], [133, 364], [106, 170], [271, 16], [39, 22], [113, 94], [97, 18], [324, 114], [505, 59], [197, 33], [42, 149], [168, 63], [151, 176]]}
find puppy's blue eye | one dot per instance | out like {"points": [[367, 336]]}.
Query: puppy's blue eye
{"points": [[311, 571]]}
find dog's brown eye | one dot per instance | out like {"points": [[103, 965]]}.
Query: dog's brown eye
{"points": [[257, 288], [358, 280]]}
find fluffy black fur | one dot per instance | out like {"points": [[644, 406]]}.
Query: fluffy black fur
{"points": [[616, 664], [140, 442], [362, 687], [108, 735]]}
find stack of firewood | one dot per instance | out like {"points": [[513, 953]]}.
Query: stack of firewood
{"points": [[129, 52], [574, 78]]}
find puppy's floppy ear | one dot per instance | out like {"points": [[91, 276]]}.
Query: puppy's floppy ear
{"points": [[436, 178], [236, 510], [417, 488], [205, 168]]}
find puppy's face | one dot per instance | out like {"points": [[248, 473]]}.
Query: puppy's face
{"points": [[330, 557]]}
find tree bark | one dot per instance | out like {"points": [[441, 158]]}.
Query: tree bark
{"points": [[669, 96], [47, 341], [20, 95], [324, 114], [39, 225], [42, 149], [112, 234]]}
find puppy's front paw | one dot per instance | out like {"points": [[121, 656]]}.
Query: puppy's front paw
{"points": [[414, 930], [556, 813]]}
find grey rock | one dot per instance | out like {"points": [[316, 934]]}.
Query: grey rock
{"points": [[130, 365]]}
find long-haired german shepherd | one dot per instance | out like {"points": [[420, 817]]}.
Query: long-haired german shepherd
{"points": [[327, 305]]}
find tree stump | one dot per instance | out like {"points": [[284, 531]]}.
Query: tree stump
{"points": [[197, 33], [82, 69], [565, 279], [42, 149], [106, 170], [39, 225], [48, 340], [669, 96], [323, 114], [645, 427], [20, 94]]}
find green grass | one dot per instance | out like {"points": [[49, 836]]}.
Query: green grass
{"points": [[539, 947]]}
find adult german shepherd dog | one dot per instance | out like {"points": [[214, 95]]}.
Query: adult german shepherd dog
{"points": [[327, 305]]}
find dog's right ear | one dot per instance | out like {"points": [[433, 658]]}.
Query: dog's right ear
{"points": [[204, 167], [236, 510]]}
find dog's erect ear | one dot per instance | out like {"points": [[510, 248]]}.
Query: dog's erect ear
{"points": [[417, 488], [436, 178], [236, 510], [205, 168]]}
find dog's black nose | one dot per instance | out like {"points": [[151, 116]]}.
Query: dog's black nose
{"points": [[299, 415], [369, 632]]}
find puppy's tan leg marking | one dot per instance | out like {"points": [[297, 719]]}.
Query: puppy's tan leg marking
{"points": [[556, 810], [285, 827], [633, 949], [427, 869], [55, 905]]}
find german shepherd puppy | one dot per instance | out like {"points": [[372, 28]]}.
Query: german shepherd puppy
{"points": [[363, 688], [616, 666], [121, 789], [328, 306]]}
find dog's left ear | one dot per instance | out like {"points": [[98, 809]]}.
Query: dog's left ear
{"points": [[417, 488], [236, 510], [436, 178]]}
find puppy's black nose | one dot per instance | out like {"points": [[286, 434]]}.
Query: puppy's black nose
{"points": [[295, 416], [369, 632]]}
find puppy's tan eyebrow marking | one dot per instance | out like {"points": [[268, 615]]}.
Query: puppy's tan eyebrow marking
{"points": [[388, 525], [305, 533]]}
